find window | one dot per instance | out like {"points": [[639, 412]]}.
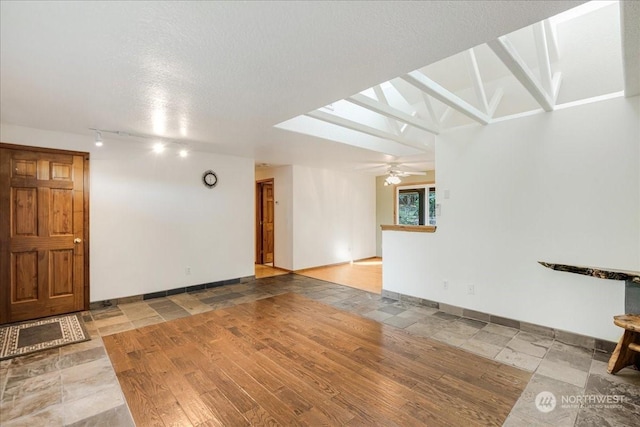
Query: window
{"points": [[416, 204], [411, 206]]}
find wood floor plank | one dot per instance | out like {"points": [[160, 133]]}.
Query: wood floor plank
{"points": [[363, 274], [188, 398], [141, 403], [371, 397], [385, 362], [223, 409], [169, 410], [259, 417], [224, 384], [288, 360]]}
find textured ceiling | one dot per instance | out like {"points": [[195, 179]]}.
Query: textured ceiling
{"points": [[220, 75]]}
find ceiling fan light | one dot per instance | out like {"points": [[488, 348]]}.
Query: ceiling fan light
{"points": [[393, 179]]}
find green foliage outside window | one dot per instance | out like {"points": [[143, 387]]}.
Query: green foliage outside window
{"points": [[432, 206], [411, 206]]}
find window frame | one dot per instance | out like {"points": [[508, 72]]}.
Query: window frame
{"points": [[426, 185]]}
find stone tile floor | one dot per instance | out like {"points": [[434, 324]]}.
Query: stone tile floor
{"points": [[75, 385]]}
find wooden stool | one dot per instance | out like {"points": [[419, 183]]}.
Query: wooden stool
{"points": [[627, 351]]}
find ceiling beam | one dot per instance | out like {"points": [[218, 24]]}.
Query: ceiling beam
{"points": [[474, 72], [629, 18], [398, 85], [388, 111], [428, 86], [445, 114], [495, 101], [383, 99], [542, 51], [359, 127], [552, 40], [406, 127], [431, 110], [510, 58], [555, 84]]}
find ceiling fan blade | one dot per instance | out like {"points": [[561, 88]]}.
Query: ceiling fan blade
{"points": [[412, 173], [366, 166]]}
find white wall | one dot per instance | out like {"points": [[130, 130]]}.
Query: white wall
{"points": [[321, 216], [334, 217], [560, 187], [151, 216], [282, 213]]}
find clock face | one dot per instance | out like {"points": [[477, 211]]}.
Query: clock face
{"points": [[210, 179]]}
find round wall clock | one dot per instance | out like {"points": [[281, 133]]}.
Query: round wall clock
{"points": [[210, 179]]}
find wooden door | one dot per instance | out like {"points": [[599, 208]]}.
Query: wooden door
{"points": [[267, 222], [43, 234]]}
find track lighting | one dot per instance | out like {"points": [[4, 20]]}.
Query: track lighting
{"points": [[159, 146], [99, 142]]}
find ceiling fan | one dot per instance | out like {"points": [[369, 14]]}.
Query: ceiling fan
{"points": [[395, 171]]}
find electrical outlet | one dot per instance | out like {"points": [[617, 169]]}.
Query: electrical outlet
{"points": [[445, 285], [471, 289], [187, 271]]}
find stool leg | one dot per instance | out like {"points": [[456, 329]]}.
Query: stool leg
{"points": [[622, 356]]}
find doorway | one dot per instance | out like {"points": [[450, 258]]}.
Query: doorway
{"points": [[44, 232], [264, 222]]}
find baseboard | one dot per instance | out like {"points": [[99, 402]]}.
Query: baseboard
{"points": [[565, 337], [302, 270], [137, 298]]}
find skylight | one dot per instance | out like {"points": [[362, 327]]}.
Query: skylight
{"points": [[566, 60]]}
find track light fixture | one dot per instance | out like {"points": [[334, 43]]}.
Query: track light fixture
{"points": [[99, 142], [159, 146]]}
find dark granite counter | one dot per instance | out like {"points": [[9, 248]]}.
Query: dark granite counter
{"points": [[601, 273]]}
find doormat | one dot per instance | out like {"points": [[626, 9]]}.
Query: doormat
{"points": [[42, 334]]}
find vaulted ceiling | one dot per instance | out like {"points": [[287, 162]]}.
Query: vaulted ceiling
{"points": [[220, 76], [585, 54]]}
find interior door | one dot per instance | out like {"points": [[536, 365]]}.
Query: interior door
{"points": [[267, 222], [43, 235]]}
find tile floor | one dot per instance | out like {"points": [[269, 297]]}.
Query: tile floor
{"points": [[76, 386]]}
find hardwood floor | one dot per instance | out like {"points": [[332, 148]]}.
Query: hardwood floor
{"points": [[263, 271], [288, 360], [364, 274]]}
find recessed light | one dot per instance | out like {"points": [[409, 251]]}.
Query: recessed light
{"points": [[183, 152], [158, 147]]}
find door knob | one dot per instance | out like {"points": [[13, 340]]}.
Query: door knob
{"points": [[77, 240]]}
